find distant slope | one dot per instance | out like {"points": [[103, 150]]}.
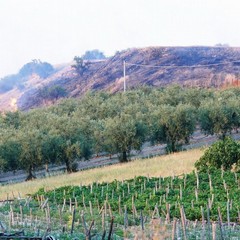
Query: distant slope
{"points": [[108, 74]]}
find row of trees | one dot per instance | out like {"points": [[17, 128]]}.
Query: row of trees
{"points": [[100, 122]]}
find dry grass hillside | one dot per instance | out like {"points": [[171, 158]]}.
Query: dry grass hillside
{"points": [[108, 74]]}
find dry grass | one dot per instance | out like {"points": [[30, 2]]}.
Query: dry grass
{"points": [[173, 164]]}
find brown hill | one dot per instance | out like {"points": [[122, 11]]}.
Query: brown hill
{"points": [[154, 66]]}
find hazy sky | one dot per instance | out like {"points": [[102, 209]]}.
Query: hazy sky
{"points": [[57, 30]]}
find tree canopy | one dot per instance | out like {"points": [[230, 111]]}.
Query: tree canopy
{"points": [[42, 69], [75, 129], [93, 55], [80, 65], [222, 154]]}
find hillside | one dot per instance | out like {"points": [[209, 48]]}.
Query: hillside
{"points": [[108, 74]]}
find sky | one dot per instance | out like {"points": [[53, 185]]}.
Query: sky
{"points": [[57, 30]]}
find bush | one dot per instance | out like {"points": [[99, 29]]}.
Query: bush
{"points": [[43, 69], [93, 55], [52, 93], [224, 153]]}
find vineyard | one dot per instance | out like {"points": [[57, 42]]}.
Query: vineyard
{"points": [[198, 205]]}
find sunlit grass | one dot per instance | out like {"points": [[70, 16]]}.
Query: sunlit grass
{"points": [[168, 165]]}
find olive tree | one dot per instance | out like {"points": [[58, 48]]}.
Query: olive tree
{"points": [[173, 125], [124, 133], [218, 117], [31, 154], [80, 65], [9, 154]]}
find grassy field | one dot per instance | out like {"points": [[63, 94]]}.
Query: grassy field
{"points": [[168, 165]]}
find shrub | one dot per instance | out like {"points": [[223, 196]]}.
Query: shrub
{"points": [[52, 93], [224, 153]]}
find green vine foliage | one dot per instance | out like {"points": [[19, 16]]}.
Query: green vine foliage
{"points": [[144, 194], [222, 154]]}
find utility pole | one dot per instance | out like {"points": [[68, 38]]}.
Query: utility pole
{"points": [[124, 76]]}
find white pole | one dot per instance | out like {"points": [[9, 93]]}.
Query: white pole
{"points": [[124, 76]]}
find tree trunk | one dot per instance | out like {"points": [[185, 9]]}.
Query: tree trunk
{"points": [[171, 147], [174, 147], [46, 168], [223, 135], [30, 174], [124, 156], [68, 166]]}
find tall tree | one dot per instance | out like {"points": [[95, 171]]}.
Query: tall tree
{"points": [[31, 154], [218, 117], [93, 55], [174, 125], [51, 149], [124, 133], [80, 65], [43, 69], [10, 151]]}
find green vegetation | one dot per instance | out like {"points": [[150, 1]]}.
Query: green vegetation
{"points": [[174, 125], [75, 129], [219, 116], [7, 83], [93, 55], [80, 65], [124, 133], [51, 93], [208, 197], [42, 69], [222, 154], [143, 193], [166, 165]]}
